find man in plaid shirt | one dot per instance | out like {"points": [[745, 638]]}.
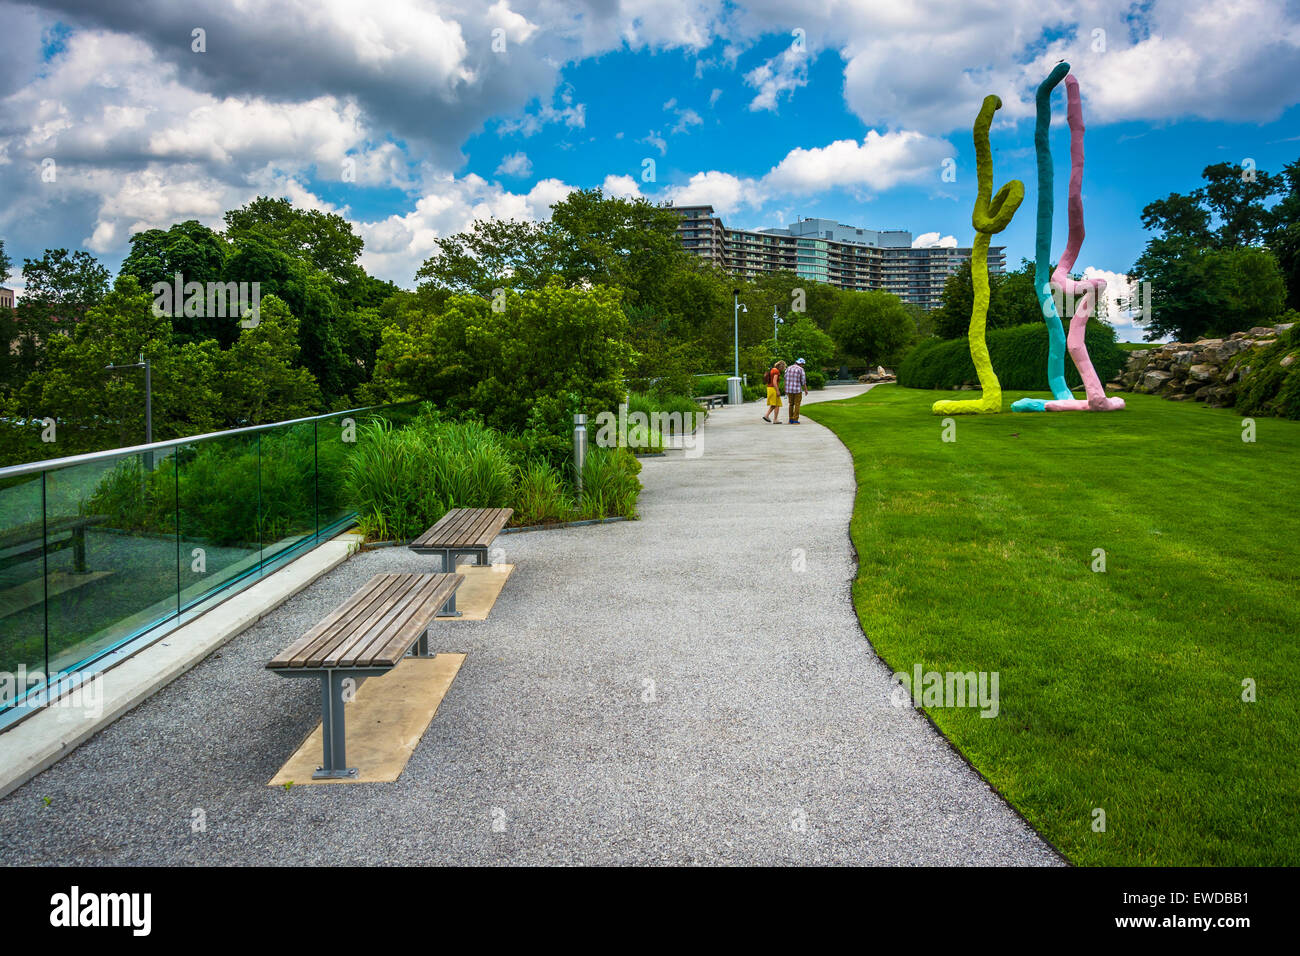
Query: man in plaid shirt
{"points": [[796, 386]]}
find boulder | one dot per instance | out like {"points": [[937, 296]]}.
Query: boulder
{"points": [[1202, 373], [1153, 379]]}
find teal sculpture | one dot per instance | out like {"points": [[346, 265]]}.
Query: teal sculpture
{"points": [[1043, 248]]}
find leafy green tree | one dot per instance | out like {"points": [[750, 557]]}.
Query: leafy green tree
{"points": [[629, 243], [492, 254], [547, 354], [6, 264], [1284, 233], [197, 254], [258, 379], [324, 240], [1205, 266], [1012, 299], [96, 408], [952, 319], [803, 339], [60, 288], [875, 326]]}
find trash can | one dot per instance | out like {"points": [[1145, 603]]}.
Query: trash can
{"points": [[735, 394]]}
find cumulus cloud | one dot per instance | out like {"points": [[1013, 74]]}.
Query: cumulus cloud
{"points": [[932, 240], [880, 161], [783, 73], [624, 187], [516, 164]]}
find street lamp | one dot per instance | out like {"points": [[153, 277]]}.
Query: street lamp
{"points": [[735, 395], [147, 365], [776, 320]]}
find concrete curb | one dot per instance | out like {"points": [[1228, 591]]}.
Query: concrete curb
{"points": [[51, 734]]}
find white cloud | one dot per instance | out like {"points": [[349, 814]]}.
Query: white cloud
{"points": [[516, 164], [783, 73], [624, 187], [880, 161], [656, 140], [932, 240]]}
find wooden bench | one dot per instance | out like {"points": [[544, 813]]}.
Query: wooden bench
{"points": [[34, 540], [368, 635], [709, 401], [463, 531]]}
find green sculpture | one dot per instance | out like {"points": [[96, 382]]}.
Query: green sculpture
{"points": [[989, 218]]}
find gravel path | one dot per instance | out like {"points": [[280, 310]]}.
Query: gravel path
{"points": [[661, 691]]}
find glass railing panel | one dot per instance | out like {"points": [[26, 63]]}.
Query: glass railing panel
{"points": [[217, 514], [110, 543], [287, 491], [22, 588]]}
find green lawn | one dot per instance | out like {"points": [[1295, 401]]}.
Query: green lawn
{"points": [[1119, 690]]}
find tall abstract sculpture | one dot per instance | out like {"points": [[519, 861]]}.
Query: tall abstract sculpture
{"points": [[1043, 247], [989, 218], [1089, 289]]}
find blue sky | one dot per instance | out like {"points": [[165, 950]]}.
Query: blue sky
{"points": [[413, 118]]}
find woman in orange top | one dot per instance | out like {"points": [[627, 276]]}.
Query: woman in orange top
{"points": [[773, 381]]}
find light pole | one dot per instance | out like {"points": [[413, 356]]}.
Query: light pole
{"points": [[735, 395], [147, 365], [776, 320]]}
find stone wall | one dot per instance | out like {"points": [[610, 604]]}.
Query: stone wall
{"points": [[1207, 370]]}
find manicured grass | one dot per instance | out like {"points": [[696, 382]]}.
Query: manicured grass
{"points": [[1138, 346], [1119, 690]]}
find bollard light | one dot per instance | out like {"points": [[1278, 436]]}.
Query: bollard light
{"points": [[579, 447]]}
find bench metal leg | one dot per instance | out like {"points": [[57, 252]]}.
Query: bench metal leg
{"points": [[333, 728], [422, 645], [449, 609]]}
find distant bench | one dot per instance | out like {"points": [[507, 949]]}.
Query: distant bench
{"points": [[709, 401], [368, 635], [70, 532], [463, 531]]}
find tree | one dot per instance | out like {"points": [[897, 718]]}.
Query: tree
{"points": [[60, 288], [546, 355], [197, 254], [1205, 266], [492, 254], [952, 318], [324, 240], [1284, 233], [6, 264], [258, 379], [98, 409], [876, 326], [802, 339]]}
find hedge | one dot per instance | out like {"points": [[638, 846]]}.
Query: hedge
{"points": [[1019, 357]]}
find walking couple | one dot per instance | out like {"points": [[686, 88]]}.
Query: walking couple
{"points": [[796, 387]]}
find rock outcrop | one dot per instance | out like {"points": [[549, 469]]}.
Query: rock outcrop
{"points": [[1208, 370]]}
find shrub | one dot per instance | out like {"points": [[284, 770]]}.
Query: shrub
{"points": [[540, 495], [1271, 388], [1019, 357], [405, 480], [816, 378], [610, 486]]}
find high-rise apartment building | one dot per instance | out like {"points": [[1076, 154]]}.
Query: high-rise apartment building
{"points": [[822, 250]]}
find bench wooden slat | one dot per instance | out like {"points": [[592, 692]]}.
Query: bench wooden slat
{"points": [[353, 623], [296, 654], [403, 620], [464, 528], [426, 604], [350, 643], [375, 626]]}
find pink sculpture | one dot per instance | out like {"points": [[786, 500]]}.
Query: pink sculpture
{"points": [[1089, 288]]}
